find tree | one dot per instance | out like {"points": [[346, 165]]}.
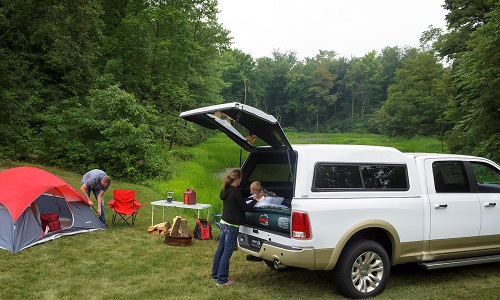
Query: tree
{"points": [[364, 78], [417, 100], [168, 54], [276, 70], [48, 51], [321, 85], [298, 93], [391, 60], [478, 101], [112, 131], [239, 75], [464, 17], [470, 44]]}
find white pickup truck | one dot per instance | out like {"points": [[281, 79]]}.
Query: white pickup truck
{"points": [[357, 210]]}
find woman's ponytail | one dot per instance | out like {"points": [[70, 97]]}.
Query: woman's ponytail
{"points": [[230, 178]]}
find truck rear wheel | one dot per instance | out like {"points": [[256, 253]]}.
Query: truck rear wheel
{"points": [[362, 270]]}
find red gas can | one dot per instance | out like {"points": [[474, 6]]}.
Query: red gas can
{"points": [[189, 196]]}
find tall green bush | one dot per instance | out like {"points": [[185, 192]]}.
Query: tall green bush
{"points": [[112, 131]]}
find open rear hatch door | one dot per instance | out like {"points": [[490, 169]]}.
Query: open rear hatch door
{"points": [[252, 129]]}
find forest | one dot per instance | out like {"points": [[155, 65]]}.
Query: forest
{"points": [[100, 83]]}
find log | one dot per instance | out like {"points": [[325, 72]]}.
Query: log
{"points": [[164, 226], [176, 224], [184, 231]]}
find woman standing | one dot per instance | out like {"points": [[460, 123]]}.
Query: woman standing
{"points": [[233, 215]]}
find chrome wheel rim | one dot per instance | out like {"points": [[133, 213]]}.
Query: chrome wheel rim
{"points": [[367, 272]]}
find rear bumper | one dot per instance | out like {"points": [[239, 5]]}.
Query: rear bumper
{"points": [[272, 251]]}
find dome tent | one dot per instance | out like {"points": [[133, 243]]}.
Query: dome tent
{"points": [[29, 194]]}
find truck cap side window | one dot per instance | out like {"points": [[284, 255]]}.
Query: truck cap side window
{"points": [[328, 177]]}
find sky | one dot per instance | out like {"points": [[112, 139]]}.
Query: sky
{"points": [[351, 28]]}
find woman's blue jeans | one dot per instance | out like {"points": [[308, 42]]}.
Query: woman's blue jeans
{"points": [[227, 242]]}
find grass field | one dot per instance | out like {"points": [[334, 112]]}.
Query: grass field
{"points": [[129, 263]]}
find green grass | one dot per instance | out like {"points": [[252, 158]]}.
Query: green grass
{"points": [[417, 144], [129, 263]]}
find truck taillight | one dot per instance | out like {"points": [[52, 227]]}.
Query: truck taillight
{"points": [[300, 225]]}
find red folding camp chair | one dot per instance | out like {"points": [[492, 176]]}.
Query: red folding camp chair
{"points": [[124, 205]]}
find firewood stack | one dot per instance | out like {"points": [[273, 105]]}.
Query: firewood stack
{"points": [[179, 228], [159, 229]]}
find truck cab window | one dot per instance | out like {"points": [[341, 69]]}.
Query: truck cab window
{"points": [[487, 177], [450, 177]]}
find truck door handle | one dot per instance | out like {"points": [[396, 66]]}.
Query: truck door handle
{"points": [[440, 205], [490, 204]]}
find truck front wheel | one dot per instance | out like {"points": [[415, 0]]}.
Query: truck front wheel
{"points": [[362, 270]]}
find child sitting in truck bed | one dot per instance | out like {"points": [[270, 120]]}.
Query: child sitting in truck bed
{"points": [[258, 192], [265, 197]]}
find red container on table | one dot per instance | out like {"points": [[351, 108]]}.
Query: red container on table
{"points": [[189, 196]]}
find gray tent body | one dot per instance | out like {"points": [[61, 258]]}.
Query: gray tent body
{"points": [[75, 217]]}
